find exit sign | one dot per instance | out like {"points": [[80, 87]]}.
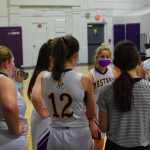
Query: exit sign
{"points": [[39, 26]]}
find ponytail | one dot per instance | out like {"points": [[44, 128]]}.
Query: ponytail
{"points": [[43, 63], [126, 57], [63, 49], [123, 97]]}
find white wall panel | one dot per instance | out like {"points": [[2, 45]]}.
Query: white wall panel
{"points": [[45, 2], [3, 21], [145, 26], [14, 9], [15, 20], [3, 4]]}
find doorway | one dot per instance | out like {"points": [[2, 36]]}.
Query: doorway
{"points": [[39, 31], [95, 39]]}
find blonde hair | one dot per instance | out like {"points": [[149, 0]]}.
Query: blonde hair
{"points": [[49, 41], [5, 54], [99, 50]]}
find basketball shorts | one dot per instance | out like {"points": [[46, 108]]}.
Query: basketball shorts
{"points": [[40, 130], [65, 138], [12, 143]]}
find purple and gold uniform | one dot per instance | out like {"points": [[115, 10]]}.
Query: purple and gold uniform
{"points": [[40, 129], [146, 68], [99, 80], [65, 102], [7, 140]]}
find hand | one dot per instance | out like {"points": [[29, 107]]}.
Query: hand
{"points": [[46, 113], [21, 128], [17, 76], [94, 129]]}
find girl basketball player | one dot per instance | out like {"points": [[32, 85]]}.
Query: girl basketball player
{"points": [[13, 135], [100, 75], [66, 94], [40, 119], [144, 71]]}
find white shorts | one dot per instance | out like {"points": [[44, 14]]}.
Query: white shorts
{"points": [[40, 130], [12, 143], [70, 139]]}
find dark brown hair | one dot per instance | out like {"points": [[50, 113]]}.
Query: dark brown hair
{"points": [[63, 50], [126, 57], [43, 62]]}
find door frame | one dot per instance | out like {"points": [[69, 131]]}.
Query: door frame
{"points": [[38, 22], [105, 30]]}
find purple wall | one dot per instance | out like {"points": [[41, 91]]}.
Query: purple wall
{"points": [[119, 33], [133, 33], [13, 40]]}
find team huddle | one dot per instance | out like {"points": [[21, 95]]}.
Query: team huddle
{"points": [[71, 110]]}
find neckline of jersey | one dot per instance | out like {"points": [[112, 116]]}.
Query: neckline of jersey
{"points": [[100, 71], [66, 70], [48, 70], [4, 74]]}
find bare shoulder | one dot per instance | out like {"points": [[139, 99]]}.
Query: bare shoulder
{"points": [[85, 77], [141, 65], [86, 81], [141, 71], [115, 73], [7, 90], [40, 76], [90, 75], [7, 82]]}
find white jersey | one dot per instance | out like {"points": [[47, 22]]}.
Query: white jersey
{"points": [[65, 99], [40, 129], [7, 139], [100, 79], [146, 68]]}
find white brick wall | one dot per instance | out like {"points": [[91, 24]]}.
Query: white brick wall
{"points": [[76, 23], [3, 13]]}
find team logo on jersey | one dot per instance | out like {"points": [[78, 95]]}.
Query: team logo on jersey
{"points": [[102, 82], [60, 84]]}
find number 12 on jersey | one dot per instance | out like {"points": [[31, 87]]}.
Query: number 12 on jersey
{"points": [[68, 104]]}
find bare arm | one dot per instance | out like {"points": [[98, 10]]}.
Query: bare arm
{"points": [[37, 97], [115, 73], [103, 121], [90, 104], [141, 71], [9, 105], [90, 75]]}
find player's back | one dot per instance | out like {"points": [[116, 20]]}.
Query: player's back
{"points": [[65, 99]]}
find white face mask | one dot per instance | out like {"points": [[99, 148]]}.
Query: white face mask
{"points": [[12, 71]]}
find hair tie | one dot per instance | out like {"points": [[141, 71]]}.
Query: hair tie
{"points": [[63, 39], [67, 51]]}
